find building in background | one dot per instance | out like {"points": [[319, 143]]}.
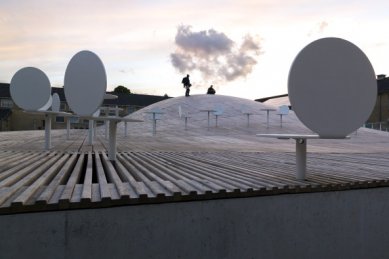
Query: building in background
{"points": [[14, 118], [380, 114]]}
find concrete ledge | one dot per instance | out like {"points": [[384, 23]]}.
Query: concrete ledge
{"points": [[339, 224]]}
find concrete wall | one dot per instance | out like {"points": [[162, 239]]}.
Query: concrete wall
{"points": [[348, 224]]}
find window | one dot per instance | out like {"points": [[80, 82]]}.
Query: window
{"points": [[6, 103], [74, 119], [60, 119]]}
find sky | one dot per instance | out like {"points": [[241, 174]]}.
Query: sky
{"points": [[244, 48]]}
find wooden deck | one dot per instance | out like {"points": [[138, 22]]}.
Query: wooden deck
{"points": [[36, 181], [227, 161]]}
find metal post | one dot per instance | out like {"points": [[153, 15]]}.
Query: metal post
{"points": [[267, 122], [281, 120], [68, 128], [47, 131], [216, 120], [125, 128], [112, 140], [208, 119], [301, 158], [94, 129], [90, 133], [106, 123], [154, 124], [186, 123]]}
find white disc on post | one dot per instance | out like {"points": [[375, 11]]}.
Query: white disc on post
{"points": [[30, 88], [332, 87], [56, 103], [85, 83]]}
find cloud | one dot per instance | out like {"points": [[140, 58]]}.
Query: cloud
{"points": [[319, 28], [214, 54]]}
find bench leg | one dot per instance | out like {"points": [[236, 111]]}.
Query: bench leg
{"points": [[301, 158]]}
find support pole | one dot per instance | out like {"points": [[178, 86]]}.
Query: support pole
{"points": [[94, 130], [90, 133], [154, 125], [301, 158], [112, 140], [186, 123], [68, 128], [208, 119], [106, 123], [47, 131], [125, 128]]}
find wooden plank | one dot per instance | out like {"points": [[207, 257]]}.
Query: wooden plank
{"points": [[105, 193], [86, 195], [42, 180], [28, 179], [131, 191], [65, 171], [72, 181], [12, 175], [142, 190], [96, 195], [114, 177], [76, 195], [124, 173]]}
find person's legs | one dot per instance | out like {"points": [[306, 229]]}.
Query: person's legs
{"points": [[187, 92]]}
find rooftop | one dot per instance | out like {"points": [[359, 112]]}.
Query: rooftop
{"points": [[179, 165]]}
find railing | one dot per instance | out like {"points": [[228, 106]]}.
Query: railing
{"points": [[383, 126]]}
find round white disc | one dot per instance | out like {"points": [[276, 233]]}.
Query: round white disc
{"points": [[30, 88], [332, 87], [55, 106], [85, 83]]}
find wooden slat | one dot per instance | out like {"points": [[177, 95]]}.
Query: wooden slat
{"points": [[86, 195], [28, 178], [71, 183], [31, 190], [65, 171], [114, 177], [105, 193]]}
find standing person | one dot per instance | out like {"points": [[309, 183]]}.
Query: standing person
{"points": [[211, 90], [185, 81]]}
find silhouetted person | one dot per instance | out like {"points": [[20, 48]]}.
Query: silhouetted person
{"points": [[185, 81], [211, 90]]}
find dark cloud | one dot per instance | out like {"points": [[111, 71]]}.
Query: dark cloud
{"points": [[214, 54]]}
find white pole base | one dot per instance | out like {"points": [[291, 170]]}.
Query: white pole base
{"points": [[301, 158], [47, 131]]}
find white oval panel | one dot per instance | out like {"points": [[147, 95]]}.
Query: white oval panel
{"points": [[30, 88], [47, 105], [332, 87], [56, 103], [85, 83]]}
